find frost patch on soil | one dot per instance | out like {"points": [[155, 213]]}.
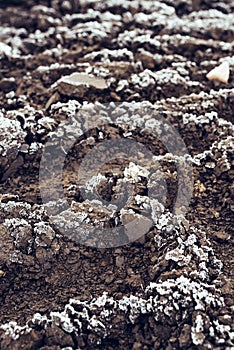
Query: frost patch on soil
{"points": [[190, 290]]}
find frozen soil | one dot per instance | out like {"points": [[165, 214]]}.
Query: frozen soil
{"points": [[172, 288]]}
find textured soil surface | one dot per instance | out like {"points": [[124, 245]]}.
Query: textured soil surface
{"points": [[165, 280]]}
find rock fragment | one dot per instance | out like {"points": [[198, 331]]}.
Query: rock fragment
{"points": [[220, 73], [136, 226], [77, 79], [79, 83]]}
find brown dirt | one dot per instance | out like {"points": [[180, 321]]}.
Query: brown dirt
{"points": [[49, 282]]}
